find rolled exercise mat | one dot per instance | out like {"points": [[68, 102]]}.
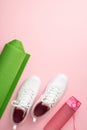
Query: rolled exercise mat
{"points": [[12, 62]]}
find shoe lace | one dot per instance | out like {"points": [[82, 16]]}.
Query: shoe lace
{"points": [[51, 96], [14, 127], [24, 99]]}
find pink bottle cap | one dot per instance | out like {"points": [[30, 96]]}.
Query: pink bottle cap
{"points": [[73, 103]]}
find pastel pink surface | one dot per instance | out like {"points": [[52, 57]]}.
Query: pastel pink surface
{"points": [[55, 34]]}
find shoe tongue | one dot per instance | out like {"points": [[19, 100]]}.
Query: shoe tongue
{"points": [[41, 109], [22, 104], [21, 107]]}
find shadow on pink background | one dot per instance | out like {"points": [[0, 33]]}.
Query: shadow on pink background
{"points": [[54, 32]]}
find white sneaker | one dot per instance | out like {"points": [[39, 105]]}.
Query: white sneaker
{"points": [[53, 93], [24, 101]]}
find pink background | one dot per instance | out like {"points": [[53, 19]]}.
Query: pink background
{"points": [[54, 32]]}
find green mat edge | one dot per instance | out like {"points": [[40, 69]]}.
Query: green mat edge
{"points": [[14, 84]]}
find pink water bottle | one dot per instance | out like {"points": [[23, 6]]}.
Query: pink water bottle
{"points": [[63, 115]]}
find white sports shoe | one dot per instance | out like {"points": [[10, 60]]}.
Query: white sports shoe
{"points": [[24, 101], [53, 93]]}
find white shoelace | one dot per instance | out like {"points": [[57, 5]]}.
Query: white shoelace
{"points": [[24, 98], [14, 127], [51, 96]]}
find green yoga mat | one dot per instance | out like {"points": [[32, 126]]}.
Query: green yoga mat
{"points": [[12, 62]]}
